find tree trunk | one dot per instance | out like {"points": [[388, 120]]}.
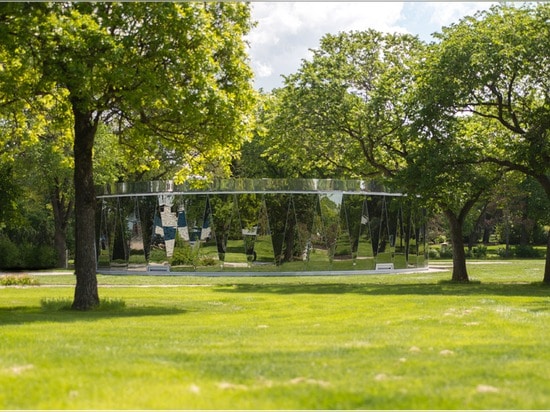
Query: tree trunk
{"points": [[60, 246], [460, 274], [61, 213], [86, 293], [544, 180], [546, 278]]}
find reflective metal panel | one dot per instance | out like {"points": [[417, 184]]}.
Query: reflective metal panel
{"points": [[257, 225]]}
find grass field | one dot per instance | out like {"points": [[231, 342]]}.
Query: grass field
{"points": [[411, 341]]}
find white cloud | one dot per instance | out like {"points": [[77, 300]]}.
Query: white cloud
{"points": [[262, 69], [443, 14], [287, 30]]}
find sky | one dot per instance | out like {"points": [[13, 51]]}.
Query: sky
{"points": [[286, 31]]}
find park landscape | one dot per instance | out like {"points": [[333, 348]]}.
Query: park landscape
{"points": [[97, 94]]}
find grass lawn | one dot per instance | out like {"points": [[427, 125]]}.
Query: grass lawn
{"points": [[409, 341]]}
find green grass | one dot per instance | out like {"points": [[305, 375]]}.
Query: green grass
{"points": [[410, 341]]}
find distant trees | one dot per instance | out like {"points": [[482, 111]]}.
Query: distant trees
{"points": [[445, 121], [353, 111]]}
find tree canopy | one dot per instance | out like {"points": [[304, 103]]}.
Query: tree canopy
{"points": [[496, 66], [175, 73], [345, 110]]}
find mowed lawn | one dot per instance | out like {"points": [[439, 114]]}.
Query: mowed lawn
{"points": [[409, 341]]}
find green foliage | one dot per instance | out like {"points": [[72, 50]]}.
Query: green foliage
{"points": [[9, 258], [527, 251], [169, 78], [477, 252], [344, 112], [185, 254], [8, 194], [446, 253], [25, 255], [495, 66], [433, 253]]}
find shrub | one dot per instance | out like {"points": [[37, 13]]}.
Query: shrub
{"points": [[446, 253], [26, 255], [18, 280], [207, 261], [433, 253], [185, 255], [477, 252], [38, 257], [526, 251], [9, 258], [501, 251]]}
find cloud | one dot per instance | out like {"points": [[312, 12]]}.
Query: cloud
{"points": [[443, 14], [286, 31], [262, 69]]}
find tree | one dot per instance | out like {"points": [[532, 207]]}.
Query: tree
{"points": [[353, 111], [8, 194], [345, 111], [442, 168], [496, 66], [170, 71]]}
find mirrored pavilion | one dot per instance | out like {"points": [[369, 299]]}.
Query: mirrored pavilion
{"points": [[257, 226]]}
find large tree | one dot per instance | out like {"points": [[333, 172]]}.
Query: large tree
{"points": [[175, 72], [352, 111], [496, 65], [442, 167]]}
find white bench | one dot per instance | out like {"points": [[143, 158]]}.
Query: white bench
{"points": [[384, 266], [158, 268]]}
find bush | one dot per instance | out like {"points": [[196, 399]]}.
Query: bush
{"points": [[477, 252], [433, 253], [526, 251], [18, 280], [9, 257], [501, 251], [26, 256], [185, 255], [208, 261], [446, 253]]}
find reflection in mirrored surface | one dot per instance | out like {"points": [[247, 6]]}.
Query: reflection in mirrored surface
{"points": [[119, 236], [265, 225], [137, 260]]}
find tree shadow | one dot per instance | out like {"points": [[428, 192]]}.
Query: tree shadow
{"points": [[433, 289], [18, 315]]}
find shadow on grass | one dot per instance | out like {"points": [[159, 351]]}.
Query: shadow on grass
{"points": [[19, 315], [443, 288]]}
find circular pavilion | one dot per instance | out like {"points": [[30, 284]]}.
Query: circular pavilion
{"points": [[257, 227]]}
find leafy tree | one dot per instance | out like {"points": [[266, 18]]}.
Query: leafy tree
{"points": [[352, 111], [345, 110], [175, 72], [8, 194], [495, 65], [443, 169]]}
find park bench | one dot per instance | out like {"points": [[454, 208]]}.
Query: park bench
{"points": [[384, 266], [158, 268]]}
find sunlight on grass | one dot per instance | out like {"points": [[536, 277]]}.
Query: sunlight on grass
{"points": [[412, 341]]}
